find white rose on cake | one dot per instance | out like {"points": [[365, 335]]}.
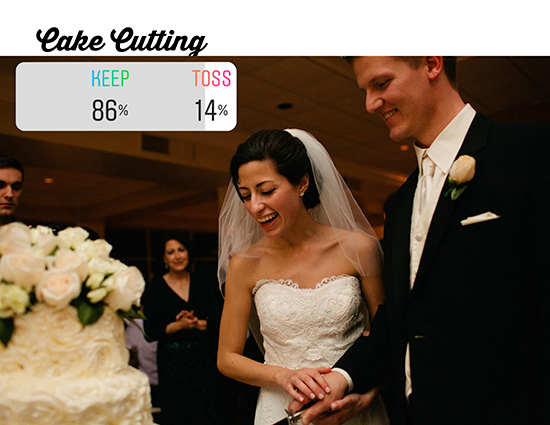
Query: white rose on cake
{"points": [[24, 269], [95, 280], [100, 277], [99, 248], [125, 289], [15, 230], [98, 294], [40, 231], [58, 288], [104, 266], [15, 237], [13, 300], [73, 236], [68, 260], [39, 269], [44, 242]]}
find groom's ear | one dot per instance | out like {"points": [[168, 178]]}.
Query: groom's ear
{"points": [[434, 66]]}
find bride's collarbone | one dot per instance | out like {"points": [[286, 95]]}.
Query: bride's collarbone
{"points": [[313, 261], [305, 267], [314, 252]]}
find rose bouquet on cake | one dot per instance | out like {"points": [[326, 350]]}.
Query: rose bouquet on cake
{"points": [[38, 266]]}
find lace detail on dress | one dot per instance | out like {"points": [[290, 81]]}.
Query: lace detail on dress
{"points": [[308, 327], [285, 282], [327, 280], [305, 327], [291, 283]]}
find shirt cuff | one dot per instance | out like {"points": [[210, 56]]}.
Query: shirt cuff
{"points": [[346, 376]]}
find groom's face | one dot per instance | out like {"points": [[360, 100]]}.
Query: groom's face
{"points": [[396, 91]]}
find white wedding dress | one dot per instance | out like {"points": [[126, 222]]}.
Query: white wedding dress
{"points": [[308, 328]]}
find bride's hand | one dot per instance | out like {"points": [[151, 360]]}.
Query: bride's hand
{"points": [[304, 384]]}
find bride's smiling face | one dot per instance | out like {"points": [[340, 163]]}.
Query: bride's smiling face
{"points": [[269, 197]]}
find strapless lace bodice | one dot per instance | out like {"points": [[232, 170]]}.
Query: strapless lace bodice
{"points": [[308, 327]]}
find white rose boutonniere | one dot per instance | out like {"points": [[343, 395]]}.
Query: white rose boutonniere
{"points": [[461, 173]]}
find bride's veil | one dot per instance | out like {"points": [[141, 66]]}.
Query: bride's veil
{"points": [[337, 208]]}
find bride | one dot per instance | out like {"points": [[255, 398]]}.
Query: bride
{"points": [[296, 250]]}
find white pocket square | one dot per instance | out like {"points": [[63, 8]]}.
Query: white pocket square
{"points": [[479, 218]]}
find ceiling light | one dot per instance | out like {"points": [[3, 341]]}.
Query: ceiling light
{"points": [[284, 105]]}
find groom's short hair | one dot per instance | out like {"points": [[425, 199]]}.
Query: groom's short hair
{"points": [[449, 65]]}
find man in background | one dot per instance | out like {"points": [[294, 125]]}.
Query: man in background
{"points": [[11, 186]]}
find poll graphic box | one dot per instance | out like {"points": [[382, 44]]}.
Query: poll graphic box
{"points": [[126, 96]]}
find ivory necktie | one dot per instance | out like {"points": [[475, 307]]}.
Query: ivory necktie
{"points": [[428, 168]]}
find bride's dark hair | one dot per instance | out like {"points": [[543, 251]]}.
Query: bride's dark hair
{"points": [[288, 154]]}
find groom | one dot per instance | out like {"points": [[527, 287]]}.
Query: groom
{"points": [[466, 260]]}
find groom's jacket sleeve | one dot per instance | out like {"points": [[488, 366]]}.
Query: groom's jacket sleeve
{"points": [[539, 237], [368, 359]]}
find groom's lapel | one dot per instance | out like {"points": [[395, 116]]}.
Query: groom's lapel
{"points": [[473, 145], [401, 239]]}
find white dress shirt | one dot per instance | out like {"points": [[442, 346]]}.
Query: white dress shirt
{"points": [[442, 152]]}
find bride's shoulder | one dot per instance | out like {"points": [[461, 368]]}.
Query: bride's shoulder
{"points": [[252, 253], [359, 240], [243, 259], [246, 260], [240, 272]]}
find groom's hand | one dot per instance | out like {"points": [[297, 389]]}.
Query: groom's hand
{"points": [[338, 387], [348, 408]]}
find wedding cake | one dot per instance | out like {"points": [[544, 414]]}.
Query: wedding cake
{"points": [[63, 358]]}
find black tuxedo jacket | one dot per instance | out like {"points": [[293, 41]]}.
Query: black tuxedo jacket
{"points": [[477, 319]]}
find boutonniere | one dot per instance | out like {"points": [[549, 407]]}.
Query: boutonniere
{"points": [[461, 173]]}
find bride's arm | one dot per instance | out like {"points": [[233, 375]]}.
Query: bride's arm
{"points": [[233, 329], [372, 285]]}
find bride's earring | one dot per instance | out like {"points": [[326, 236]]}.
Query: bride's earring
{"points": [[302, 193]]}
